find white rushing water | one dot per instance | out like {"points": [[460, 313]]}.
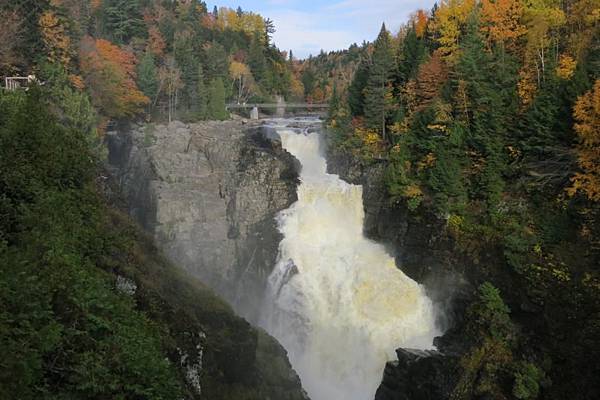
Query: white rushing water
{"points": [[336, 300]]}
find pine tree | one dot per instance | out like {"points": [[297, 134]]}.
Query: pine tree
{"points": [[378, 93], [412, 54], [485, 111], [147, 76], [122, 20], [257, 61], [188, 63], [202, 105], [356, 90], [216, 64], [216, 100]]}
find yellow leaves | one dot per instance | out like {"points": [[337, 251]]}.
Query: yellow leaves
{"points": [[587, 114], [55, 38], [513, 152], [296, 87], [501, 20], [238, 70], [455, 222], [371, 143], [449, 20], [247, 22], [427, 162], [566, 67], [527, 85], [371, 138], [412, 192], [399, 128]]}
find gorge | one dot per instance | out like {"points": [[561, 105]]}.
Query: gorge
{"points": [[298, 264]]}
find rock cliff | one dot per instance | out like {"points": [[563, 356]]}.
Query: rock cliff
{"points": [[208, 192]]}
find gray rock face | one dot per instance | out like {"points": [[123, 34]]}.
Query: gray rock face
{"points": [[418, 375], [209, 192]]}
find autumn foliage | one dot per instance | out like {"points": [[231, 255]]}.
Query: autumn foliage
{"points": [[587, 115], [109, 72]]}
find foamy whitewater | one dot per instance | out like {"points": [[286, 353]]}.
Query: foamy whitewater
{"points": [[336, 300]]}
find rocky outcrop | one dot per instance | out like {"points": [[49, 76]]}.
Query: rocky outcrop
{"points": [[418, 375], [209, 192]]}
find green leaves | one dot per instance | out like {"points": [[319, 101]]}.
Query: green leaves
{"points": [[64, 330]]}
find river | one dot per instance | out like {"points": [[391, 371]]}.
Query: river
{"points": [[336, 300]]}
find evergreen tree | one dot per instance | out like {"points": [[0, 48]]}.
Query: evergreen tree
{"points": [[485, 111], [356, 90], [216, 100], [122, 20], [378, 93], [308, 80], [216, 64], [257, 61], [412, 53], [202, 105], [188, 62], [147, 76]]}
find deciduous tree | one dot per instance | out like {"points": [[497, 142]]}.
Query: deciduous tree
{"points": [[587, 115], [109, 73]]}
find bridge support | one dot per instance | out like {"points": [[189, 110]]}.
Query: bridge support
{"points": [[280, 110]]}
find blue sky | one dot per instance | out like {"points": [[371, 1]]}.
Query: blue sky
{"points": [[307, 26]]}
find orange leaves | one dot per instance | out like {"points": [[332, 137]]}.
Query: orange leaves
{"points": [[587, 115], [55, 38], [95, 4], [430, 78], [420, 23], [156, 42], [109, 72], [527, 85], [501, 20]]}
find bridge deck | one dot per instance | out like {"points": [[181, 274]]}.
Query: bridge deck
{"points": [[276, 105]]}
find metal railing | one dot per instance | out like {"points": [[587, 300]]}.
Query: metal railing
{"points": [[13, 83]]}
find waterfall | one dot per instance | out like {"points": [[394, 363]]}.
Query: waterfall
{"points": [[336, 300]]}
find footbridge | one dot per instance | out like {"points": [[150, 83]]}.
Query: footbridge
{"points": [[279, 107]]}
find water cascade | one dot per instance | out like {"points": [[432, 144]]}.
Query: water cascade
{"points": [[336, 300]]}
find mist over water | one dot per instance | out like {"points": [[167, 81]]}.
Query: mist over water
{"points": [[336, 300]]}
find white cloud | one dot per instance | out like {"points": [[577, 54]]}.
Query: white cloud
{"points": [[308, 33], [337, 25]]}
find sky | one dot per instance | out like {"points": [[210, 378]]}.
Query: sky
{"points": [[307, 26]]}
